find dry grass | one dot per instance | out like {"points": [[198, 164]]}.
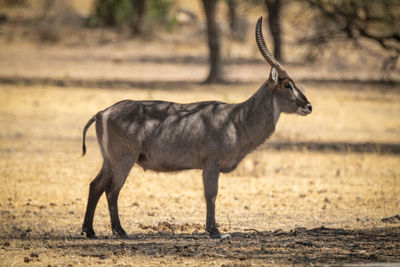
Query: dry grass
{"points": [[45, 180]]}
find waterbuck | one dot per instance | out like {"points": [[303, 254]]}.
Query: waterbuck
{"points": [[166, 136]]}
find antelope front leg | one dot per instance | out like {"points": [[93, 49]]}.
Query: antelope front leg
{"points": [[210, 182]]}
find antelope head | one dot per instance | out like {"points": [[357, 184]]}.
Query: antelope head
{"points": [[287, 96]]}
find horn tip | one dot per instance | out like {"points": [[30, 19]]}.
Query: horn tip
{"points": [[259, 22]]}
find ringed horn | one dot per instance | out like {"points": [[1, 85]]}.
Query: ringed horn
{"points": [[266, 53]]}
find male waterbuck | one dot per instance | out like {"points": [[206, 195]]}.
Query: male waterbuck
{"points": [[165, 136]]}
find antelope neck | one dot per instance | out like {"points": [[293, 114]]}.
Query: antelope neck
{"points": [[258, 116]]}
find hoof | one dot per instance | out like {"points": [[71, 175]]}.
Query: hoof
{"points": [[215, 235], [93, 237], [125, 236], [120, 233], [213, 232], [90, 234]]}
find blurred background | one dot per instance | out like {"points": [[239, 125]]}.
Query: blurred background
{"points": [[316, 40]]}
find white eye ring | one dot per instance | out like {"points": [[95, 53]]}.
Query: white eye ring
{"points": [[290, 85]]}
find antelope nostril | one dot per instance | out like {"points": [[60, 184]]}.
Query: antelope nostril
{"points": [[309, 107]]}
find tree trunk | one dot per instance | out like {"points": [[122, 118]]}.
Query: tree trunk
{"points": [[274, 9], [139, 9], [232, 14], [215, 74]]}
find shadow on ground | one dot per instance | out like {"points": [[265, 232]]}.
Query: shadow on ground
{"points": [[300, 246]]}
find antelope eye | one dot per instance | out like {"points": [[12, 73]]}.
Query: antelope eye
{"points": [[287, 86]]}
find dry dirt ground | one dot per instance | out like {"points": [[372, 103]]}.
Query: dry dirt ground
{"points": [[280, 206], [315, 193]]}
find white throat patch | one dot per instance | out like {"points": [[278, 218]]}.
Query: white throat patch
{"points": [[276, 110]]}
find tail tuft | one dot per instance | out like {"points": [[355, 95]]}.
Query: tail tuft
{"points": [[83, 149]]}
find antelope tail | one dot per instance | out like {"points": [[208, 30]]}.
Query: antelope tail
{"points": [[93, 119]]}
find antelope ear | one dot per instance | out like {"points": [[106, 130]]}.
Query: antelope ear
{"points": [[274, 76]]}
